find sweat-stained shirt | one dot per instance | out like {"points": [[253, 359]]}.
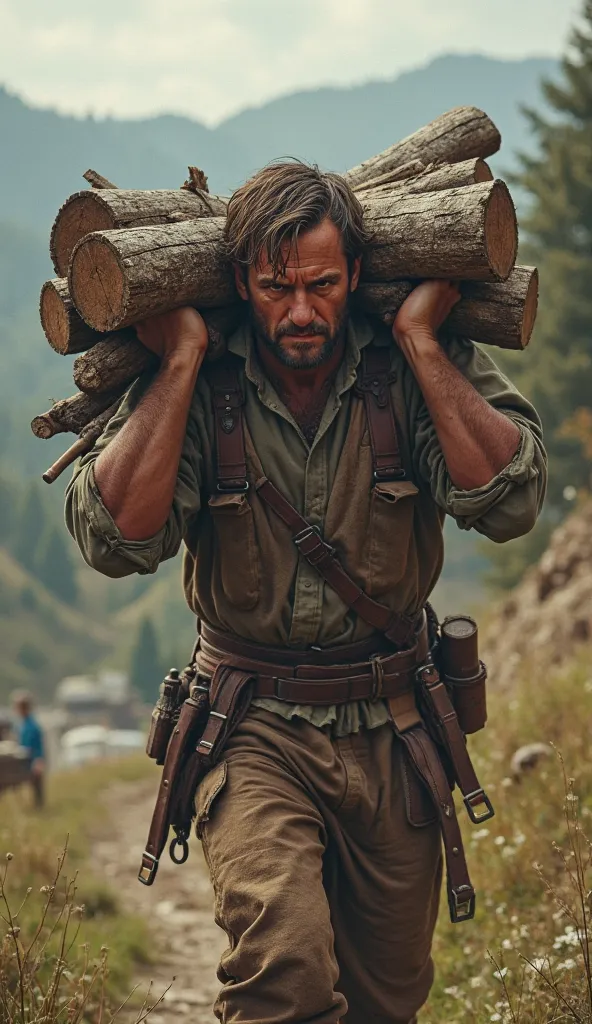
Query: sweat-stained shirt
{"points": [[242, 572]]}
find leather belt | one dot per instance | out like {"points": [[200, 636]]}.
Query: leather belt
{"points": [[366, 671]]}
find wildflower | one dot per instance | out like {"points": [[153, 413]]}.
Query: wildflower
{"points": [[501, 973], [453, 991], [480, 833], [501, 909], [507, 944], [499, 840], [566, 965], [519, 838], [538, 963], [9, 856], [476, 982], [508, 851], [570, 937], [507, 782]]}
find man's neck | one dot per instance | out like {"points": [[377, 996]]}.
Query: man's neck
{"points": [[303, 392]]}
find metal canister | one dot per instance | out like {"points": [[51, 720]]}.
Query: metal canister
{"points": [[164, 716], [463, 672]]}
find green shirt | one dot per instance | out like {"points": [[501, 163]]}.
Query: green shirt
{"points": [[242, 572]]}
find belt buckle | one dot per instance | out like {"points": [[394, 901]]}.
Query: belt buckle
{"points": [[305, 534], [147, 873], [377, 676], [461, 903], [478, 798]]}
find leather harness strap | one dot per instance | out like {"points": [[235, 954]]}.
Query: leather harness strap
{"points": [[227, 399], [372, 384]]}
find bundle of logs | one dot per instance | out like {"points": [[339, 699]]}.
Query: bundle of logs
{"points": [[430, 202]]}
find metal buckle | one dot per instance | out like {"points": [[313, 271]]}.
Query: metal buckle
{"points": [[461, 904], [233, 489], [305, 534], [478, 797], [385, 476], [208, 747], [146, 875], [179, 840]]}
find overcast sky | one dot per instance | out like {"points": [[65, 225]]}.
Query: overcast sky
{"points": [[210, 58]]}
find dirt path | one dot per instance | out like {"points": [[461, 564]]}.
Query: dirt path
{"points": [[178, 908]]}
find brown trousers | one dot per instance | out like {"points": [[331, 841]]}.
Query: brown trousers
{"points": [[328, 895]]}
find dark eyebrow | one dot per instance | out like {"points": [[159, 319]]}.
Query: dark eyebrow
{"points": [[332, 276], [271, 279]]}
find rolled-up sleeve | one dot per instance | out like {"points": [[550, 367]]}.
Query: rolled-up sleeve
{"points": [[98, 537], [507, 506]]}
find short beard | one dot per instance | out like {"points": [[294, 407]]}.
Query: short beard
{"points": [[302, 359]]}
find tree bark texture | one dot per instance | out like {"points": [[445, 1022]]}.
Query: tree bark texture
{"points": [[117, 360], [495, 313], [64, 328], [119, 277], [459, 134], [112, 364], [432, 179], [72, 414], [460, 233], [105, 209], [87, 440]]}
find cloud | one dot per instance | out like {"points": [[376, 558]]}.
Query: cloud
{"points": [[208, 58]]}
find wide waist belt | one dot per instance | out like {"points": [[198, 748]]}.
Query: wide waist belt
{"points": [[366, 671]]}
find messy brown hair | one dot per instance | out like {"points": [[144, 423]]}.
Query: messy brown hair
{"points": [[281, 201]]}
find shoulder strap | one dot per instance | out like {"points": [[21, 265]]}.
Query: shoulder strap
{"points": [[374, 377], [231, 476], [228, 401]]}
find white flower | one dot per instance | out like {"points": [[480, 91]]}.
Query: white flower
{"points": [[566, 965], [480, 833], [538, 963], [507, 944], [453, 991], [496, 1016], [508, 851], [570, 937], [499, 840], [501, 973], [519, 838], [476, 982]]}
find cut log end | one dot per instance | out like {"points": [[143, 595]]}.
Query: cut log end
{"points": [[44, 426], [483, 171], [54, 318], [98, 284], [501, 231], [79, 216], [530, 307]]}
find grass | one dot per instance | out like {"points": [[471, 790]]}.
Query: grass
{"points": [[525, 959], [63, 926]]}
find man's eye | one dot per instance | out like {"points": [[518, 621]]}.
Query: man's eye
{"points": [[322, 284], [276, 287]]}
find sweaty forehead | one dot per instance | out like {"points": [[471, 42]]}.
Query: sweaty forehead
{"points": [[318, 249]]}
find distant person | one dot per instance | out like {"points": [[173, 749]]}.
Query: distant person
{"points": [[30, 737]]}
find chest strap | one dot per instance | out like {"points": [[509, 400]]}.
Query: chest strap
{"points": [[374, 377], [231, 475]]}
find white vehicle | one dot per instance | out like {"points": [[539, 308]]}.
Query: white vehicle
{"points": [[96, 742]]}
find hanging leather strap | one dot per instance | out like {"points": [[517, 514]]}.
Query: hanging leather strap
{"points": [[425, 760], [228, 400], [374, 378]]}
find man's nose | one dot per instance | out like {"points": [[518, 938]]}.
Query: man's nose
{"points": [[301, 310]]}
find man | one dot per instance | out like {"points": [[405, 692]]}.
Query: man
{"points": [[323, 851], [30, 737]]}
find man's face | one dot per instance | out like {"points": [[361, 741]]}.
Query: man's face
{"points": [[300, 316]]}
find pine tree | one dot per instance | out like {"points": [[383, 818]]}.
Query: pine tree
{"points": [[145, 662], [556, 372], [53, 566]]}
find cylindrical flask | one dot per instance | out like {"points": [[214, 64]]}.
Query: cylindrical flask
{"points": [[462, 671], [164, 716]]}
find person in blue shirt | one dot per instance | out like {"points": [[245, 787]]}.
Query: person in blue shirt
{"points": [[30, 736]]}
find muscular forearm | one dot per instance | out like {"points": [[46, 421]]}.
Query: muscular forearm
{"points": [[137, 471], [477, 440]]}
